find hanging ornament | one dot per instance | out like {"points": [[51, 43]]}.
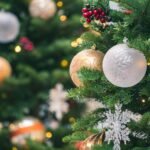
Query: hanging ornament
{"points": [[58, 101], [95, 139], [43, 9], [9, 27], [88, 58], [116, 126], [124, 66], [26, 43], [28, 128], [5, 69]]}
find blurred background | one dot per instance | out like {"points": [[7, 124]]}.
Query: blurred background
{"points": [[38, 39]]}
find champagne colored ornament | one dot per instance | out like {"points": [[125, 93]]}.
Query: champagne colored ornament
{"points": [[43, 9], [9, 27], [124, 66], [5, 69], [95, 139], [28, 128], [88, 58]]}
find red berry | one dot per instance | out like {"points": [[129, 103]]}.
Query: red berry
{"points": [[85, 10], [97, 17], [99, 10], [86, 15], [95, 12], [88, 20], [90, 13], [24, 40], [103, 13]]}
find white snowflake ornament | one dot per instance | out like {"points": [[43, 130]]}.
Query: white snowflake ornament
{"points": [[117, 130], [116, 126], [57, 101]]}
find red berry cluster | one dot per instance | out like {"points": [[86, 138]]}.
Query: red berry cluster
{"points": [[91, 13], [26, 44]]}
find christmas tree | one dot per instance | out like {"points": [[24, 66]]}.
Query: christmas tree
{"points": [[37, 41], [113, 69]]}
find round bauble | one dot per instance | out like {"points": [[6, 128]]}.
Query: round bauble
{"points": [[88, 58], [9, 27], [27, 128], [124, 66], [43, 9], [5, 69]]}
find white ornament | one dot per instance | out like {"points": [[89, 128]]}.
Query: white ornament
{"points": [[124, 66], [92, 104], [57, 103], [115, 6], [9, 27], [43, 9], [116, 126]]}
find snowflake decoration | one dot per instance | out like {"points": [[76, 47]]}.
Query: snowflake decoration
{"points": [[57, 101], [116, 126]]}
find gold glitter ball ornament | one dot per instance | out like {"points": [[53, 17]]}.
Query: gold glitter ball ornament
{"points": [[43, 9], [5, 69], [87, 58]]}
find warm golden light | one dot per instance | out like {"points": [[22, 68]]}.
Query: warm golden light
{"points": [[49, 135], [63, 18], [79, 40], [143, 100], [18, 49], [74, 44], [64, 63], [60, 4]]}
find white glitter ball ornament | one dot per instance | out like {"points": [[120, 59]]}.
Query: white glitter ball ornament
{"points": [[9, 27], [43, 9], [124, 66]]}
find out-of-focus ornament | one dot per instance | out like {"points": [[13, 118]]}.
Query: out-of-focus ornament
{"points": [[88, 58], [116, 6], [43, 9], [9, 27], [26, 43], [5, 69], [124, 66], [95, 139], [92, 105], [58, 101], [27, 128]]}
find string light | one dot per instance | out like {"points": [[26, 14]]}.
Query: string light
{"points": [[14, 148], [60, 4], [148, 63], [74, 44], [18, 49], [143, 100], [79, 40], [63, 18], [48, 134], [64, 63]]}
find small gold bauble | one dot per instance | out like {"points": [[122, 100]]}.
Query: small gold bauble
{"points": [[43, 9], [88, 58], [5, 69]]}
